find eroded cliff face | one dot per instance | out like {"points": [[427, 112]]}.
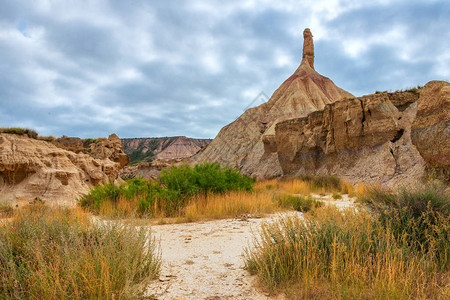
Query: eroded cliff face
{"points": [[248, 142], [368, 138], [31, 168], [431, 128]]}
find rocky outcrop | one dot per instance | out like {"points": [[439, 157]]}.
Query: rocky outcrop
{"points": [[248, 143], [101, 148], [368, 138], [31, 168], [164, 148], [431, 128]]}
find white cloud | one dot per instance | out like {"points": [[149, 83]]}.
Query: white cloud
{"points": [[127, 65]]}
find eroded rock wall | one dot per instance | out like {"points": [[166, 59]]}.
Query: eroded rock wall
{"points": [[363, 139], [101, 148], [431, 128], [31, 168]]}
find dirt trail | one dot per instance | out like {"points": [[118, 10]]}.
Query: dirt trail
{"points": [[204, 260]]}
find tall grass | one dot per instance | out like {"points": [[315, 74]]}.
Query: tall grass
{"points": [[415, 218], [230, 204], [56, 253], [305, 185], [334, 253]]}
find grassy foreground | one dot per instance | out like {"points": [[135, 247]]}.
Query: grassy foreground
{"points": [[56, 253], [401, 250]]}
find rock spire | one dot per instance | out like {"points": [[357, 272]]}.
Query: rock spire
{"points": [[308, 48]]}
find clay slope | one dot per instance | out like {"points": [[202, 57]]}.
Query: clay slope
{"points": [[368, 138], [165, 148], [31, 168], [247, 143]]}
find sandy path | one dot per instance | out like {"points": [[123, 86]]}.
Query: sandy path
{"points": [[204, 260]]}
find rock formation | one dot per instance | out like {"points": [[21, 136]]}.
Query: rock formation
{"points": [[386, 137], [363, 139], [248, 143], [431, 128], [101, 148], [31, 168], [164, 148]]}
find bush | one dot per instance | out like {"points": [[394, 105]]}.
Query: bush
{"points": [[203, 178], [60, 253]]}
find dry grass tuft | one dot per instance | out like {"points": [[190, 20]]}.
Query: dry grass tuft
{"points": [[230, 204], [56, 253], [401, 252]]}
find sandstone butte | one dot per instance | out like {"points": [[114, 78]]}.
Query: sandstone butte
{"points": [[310, 126], [58, 171]]}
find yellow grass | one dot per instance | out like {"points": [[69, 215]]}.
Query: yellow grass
{"points": [[57, 253], [295, 186], [230, 204], [335, 254]]}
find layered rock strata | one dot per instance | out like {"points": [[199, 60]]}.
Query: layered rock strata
{"points": [[390, 138], [34, 169]]}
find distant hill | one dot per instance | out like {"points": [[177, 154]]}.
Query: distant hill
{"points": [[149, 149]]}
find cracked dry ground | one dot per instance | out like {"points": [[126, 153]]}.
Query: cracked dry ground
{"points": [[204, 260]]}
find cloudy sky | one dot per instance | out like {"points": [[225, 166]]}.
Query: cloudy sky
{"points": [[144, 68]]}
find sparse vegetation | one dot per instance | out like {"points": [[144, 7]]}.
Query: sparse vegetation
{"points": [[400, 252], [6, 209], [298, 203], [412, 90], [337, 196], [56, 253], [169, 195], [47, 138], [20, 131], [305, 185]]}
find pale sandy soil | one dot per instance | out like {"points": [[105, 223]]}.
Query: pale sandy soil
{"points": [[204, 260]]}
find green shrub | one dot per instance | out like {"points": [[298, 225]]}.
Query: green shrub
{"points": [[109, 192], [204, 178], [62, 254]]}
